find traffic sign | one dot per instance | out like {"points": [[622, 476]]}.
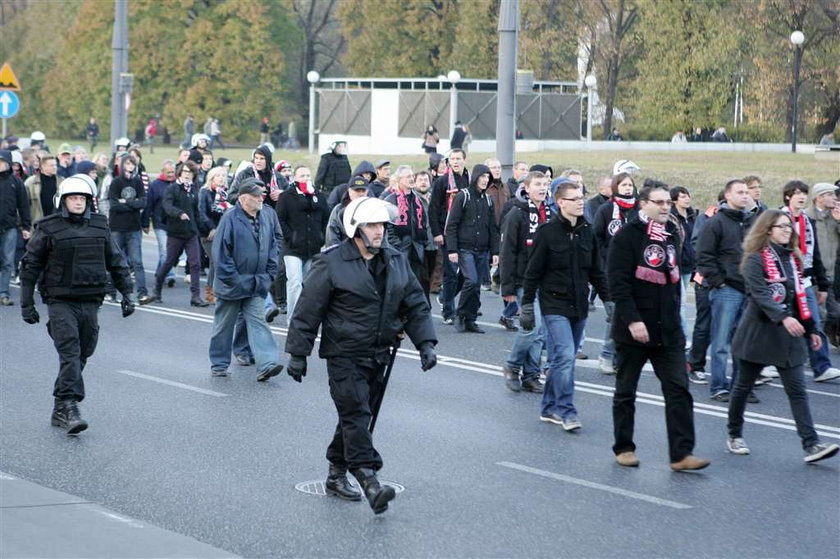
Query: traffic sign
{"points": [[9, 104], [8, 79]]}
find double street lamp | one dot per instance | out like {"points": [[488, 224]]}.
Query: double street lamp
{"points": [[797, 38]]}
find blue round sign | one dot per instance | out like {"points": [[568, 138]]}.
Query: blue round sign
{"points": [[9, 104]]}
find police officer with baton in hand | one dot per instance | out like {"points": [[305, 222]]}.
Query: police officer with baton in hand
{"points": [[363, 293], [74, 251]]}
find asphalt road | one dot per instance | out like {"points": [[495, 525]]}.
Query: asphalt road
{"points": [[218, 459]]}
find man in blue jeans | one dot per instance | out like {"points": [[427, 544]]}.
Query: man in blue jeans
{"points": [[563, 263], [518, 231], [719, 252], [471, 238], [14, 215], [245, 252]]}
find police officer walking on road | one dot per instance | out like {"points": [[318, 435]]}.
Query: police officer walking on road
{"points": [[364, 294], [73, 249]]}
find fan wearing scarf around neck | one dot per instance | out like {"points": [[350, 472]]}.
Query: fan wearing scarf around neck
{"points": [[409, 231], [644, 283], [814, 275], [777, 328], [610, 218]]}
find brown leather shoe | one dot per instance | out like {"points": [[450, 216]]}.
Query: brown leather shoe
{"points": [[209, 296], [627, 459], [690, 462]]}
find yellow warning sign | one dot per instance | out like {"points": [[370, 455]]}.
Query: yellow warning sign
{"points": [[8, 79]]}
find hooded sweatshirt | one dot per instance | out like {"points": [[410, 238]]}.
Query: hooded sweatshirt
{"points": [[471, 224]]}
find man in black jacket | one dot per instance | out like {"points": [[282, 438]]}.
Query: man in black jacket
{"points": [[334, 168], [644, 283], [73, 238], [719, 251], [472, 238], [363, 295], [14, 215], [519, 228], [563, 263], [444, 190], [127, 197]]}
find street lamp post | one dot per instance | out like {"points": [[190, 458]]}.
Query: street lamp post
{"points": [[313, 78], [590, 82], [454, 77], [797, 38]]}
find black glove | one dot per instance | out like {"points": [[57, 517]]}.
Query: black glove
{"points": [[297, 367], [428, 359], [127, 306], [30, 314], [526, 317]]}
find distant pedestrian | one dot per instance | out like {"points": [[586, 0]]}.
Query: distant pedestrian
{"points": [[430, 139], [189, 130], [92, 133], [264, 130]]}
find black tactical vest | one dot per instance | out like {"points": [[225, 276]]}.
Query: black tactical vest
{"points": [[77, 265]]}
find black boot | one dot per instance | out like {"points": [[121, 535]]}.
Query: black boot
{"points": [[377, 495], [66, 415], [471, 326], [339, 486]]}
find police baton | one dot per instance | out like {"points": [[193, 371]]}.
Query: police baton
{"points": [[378, 403]]}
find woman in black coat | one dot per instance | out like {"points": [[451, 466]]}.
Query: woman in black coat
{"points": [[774, 329]]}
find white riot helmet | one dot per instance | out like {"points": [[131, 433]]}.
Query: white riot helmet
{"points": [[625, 166], [197, 138], [367, 210], [37, 136], [122, 143], [77, 184]]}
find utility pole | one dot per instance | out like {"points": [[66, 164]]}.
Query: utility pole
{"points": [[120, 80], [506, 90]]}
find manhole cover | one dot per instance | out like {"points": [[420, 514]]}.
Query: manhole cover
{"points": [[316, 487]]}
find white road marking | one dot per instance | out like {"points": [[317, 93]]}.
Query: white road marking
{"points": [[598, 486], [172, 383], [495, 370]]}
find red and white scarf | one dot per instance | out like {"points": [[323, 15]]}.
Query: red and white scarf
{"points": [[620, 208], [805, 231], [774, 274], [659, 262], [403, 210]]}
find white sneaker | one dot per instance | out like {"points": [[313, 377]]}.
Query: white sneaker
{"points": [[770, 372], [737, 446], [605, 365], [829, 374]]}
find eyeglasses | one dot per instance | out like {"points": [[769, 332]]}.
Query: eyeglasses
{"points": [[661, 203], [578, 199], [783, 226]]}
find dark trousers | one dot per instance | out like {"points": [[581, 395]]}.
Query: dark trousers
{"points": [[427, 271], [453, 281], [354, 386], [472, 263], [669, 366], [74, 329], [174, 247], [793, 379], [279, 286], [701, 336]]}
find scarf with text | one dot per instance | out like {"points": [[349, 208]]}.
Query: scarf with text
{"points": [[621, 206], [774, 275], [536, 217], [805, 230], [659, 262], [220, 201]]}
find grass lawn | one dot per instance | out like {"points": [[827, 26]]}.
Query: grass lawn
{"points": [[704, 174]]}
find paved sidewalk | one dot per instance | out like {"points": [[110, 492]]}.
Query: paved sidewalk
{"points": [[39, 522]]}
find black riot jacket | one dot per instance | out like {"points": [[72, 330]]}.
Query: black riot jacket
{"points": [[358, 318], [75, 256]]}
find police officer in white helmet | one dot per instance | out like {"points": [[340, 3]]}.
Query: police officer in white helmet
{"points": [[73, 250], [363, 293]]}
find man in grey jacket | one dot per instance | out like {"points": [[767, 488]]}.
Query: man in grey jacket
{"points": [[245, 251]]}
